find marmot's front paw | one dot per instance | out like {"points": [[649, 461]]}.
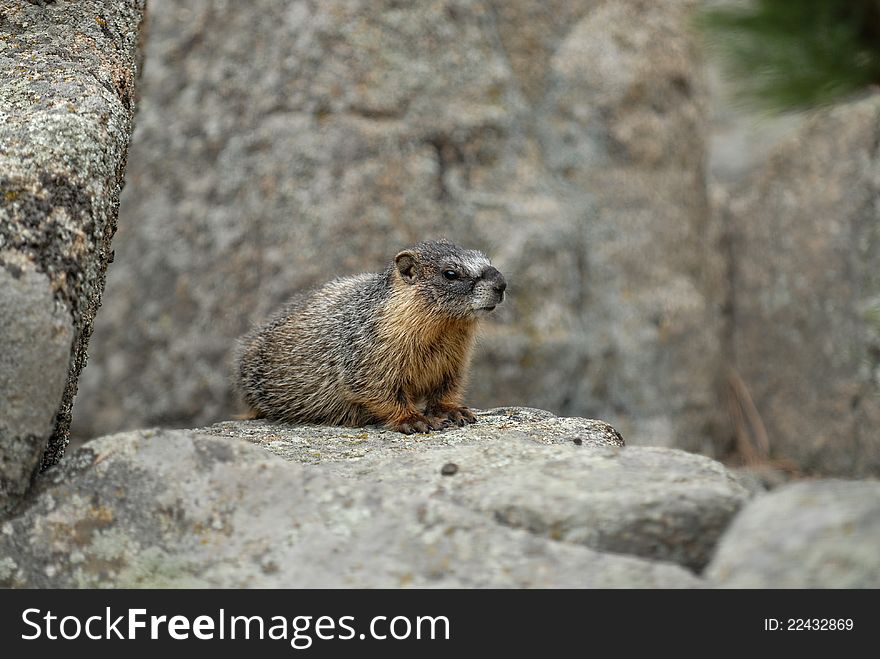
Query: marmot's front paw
{"points": [[453, 416], [416, 423], [461, 416]]}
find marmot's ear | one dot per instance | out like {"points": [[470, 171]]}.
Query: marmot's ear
{"points": [[406, 266]]}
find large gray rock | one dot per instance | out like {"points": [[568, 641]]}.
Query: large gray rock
{"points": [[183, 508], [657, 503], [567, 479], [67, 84], [282, 144], [805, 253], [820, 534], [625, 118]]}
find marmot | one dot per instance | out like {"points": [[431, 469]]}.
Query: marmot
{"points": [[373, 348]]}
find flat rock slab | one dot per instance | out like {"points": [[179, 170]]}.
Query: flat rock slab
{"points": [[812, 534], [313, 444], [566, 479], [657, 503], [183, 508]]}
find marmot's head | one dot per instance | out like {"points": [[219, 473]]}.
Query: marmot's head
{"points": [[453, 281]]}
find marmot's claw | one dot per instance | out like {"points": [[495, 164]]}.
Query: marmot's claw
{"points": [[460, 416], [450, 417], [437, 423], [414, 424]]}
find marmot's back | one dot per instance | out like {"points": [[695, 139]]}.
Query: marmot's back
{"points": [[293, 367], [371, 348]]}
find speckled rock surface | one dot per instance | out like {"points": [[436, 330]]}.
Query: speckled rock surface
{"points": [[312, 444], [625, 117], [657, 503], [805, 249], [812, 534], [67, 99], [567, 479], [302, 141], [183, 508]]}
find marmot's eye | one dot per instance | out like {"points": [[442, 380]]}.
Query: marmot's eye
{"points": [[450, 274]]}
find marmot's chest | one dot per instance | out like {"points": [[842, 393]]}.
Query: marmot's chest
{"points": [[424, 366]]}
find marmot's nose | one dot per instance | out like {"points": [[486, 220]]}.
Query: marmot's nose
{"points": [[492, 275]]}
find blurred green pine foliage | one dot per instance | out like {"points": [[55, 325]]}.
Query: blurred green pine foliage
{"points": [[795, 54]]}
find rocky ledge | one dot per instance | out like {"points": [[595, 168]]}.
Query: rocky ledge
{"points": [[520, 499]]}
